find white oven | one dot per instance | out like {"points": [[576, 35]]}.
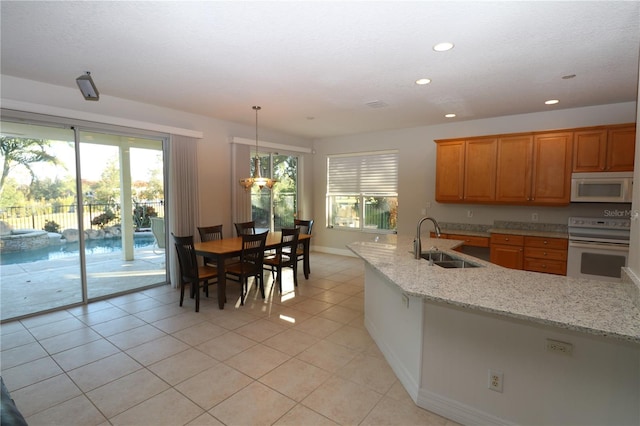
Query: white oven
{"points": [[598, 248]]}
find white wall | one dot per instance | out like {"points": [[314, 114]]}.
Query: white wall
{"points": [[417, 170], [599, 384], [214, 149]]}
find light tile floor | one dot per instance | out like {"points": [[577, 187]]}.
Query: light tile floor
{"points": [[300, 358]]}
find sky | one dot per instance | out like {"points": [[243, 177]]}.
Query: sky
{"points": [[93, 160]]}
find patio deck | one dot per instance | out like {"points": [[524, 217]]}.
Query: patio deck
{"points": [[27, 288]]}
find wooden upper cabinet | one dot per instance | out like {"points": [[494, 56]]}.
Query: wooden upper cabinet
{"points": [[450, 171], [621, 145], [605, 149], [513, 169], [590, 150], [529, 168], [551, 175], [480, 170]]}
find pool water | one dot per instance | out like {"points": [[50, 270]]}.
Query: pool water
{"points": [[65, 250]]}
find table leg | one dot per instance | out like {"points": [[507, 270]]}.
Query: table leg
{"points": [[222, 282], [307, 269]]}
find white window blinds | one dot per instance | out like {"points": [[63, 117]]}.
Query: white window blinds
{"points": [[372, 173]]}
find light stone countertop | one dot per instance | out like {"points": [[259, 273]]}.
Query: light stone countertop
{"points": [[588, 306]]}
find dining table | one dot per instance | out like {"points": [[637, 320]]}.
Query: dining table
{"points": [[228, 248]]}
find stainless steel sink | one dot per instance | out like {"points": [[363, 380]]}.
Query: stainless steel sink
{"points": [[458, 263], [445, 260], [437, 256]]}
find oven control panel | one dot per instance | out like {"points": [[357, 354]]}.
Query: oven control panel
{"points": [[599, 222]]}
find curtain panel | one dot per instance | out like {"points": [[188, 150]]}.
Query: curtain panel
{"points": [[183, 195]]}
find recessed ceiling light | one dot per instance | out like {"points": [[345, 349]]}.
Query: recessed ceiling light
{"points": [[551, 102], [449, 115], [423, 81], [443, 47]]}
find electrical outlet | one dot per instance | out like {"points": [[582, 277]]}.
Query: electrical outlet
{"points": [[534, 217], [469, 213], [559, 347], [495, 380]]}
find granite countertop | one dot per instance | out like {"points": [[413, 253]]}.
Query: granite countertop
{"points": [[588, 306]]}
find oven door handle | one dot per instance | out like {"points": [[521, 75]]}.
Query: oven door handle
{"points": [[614, 247]]}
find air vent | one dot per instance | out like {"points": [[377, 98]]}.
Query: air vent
{"points": [[377, 104]]}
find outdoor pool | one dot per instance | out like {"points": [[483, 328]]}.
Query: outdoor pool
{"points": [[64, 250]]}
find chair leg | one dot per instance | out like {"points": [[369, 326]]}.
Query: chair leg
{"points": [[181, 292], [295, 274], [261, 278], [197, 288]]}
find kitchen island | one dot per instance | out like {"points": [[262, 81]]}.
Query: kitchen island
{"points": [[443, 330]]}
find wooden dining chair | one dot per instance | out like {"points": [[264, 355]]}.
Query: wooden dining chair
{"points": [[305, 227], [251, 263], [191, 272], [210, 233], [285, 256], [245, 228]]}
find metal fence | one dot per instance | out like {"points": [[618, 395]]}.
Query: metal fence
{"points": [[63, 217]]}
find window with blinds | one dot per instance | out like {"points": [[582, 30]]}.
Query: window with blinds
{"points": [[362, 191]]}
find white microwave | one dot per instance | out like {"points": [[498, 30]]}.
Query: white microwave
{"points": [[606, 187]]}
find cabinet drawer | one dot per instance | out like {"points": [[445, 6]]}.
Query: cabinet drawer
{"points": [[470, 240], [551, 243], [543, 253], [546, 266], [507, 239]]}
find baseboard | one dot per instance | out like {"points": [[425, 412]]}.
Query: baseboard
{"points": [[457, 411], [408, 381]]}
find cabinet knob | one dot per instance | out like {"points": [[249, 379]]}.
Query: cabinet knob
{"points": [[545, 253], [506, 239], [546, 242]]}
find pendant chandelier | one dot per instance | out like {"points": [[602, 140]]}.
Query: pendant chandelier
{"points": [[257, 178]]}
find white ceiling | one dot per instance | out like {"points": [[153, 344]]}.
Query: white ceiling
{"points": [[314, 66]]}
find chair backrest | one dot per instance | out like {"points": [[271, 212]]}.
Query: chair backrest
{"points": [[253, 248], [186, 257], [305, 226], [157, 229], [210, 233], [289, 240], [243, 228]]}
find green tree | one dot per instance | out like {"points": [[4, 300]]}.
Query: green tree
{"points": [[107, 189], [23, 152], [12, 195], [49, 189]]}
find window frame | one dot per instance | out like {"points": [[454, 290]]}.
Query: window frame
{"points": [[358, 176]]}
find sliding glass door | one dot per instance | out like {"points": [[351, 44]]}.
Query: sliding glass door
{"points": [[76, 215], [40, 266], [123, 186]]}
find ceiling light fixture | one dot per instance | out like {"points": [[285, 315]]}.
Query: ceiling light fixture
{"points": [[443, 47], [423, 81], [87, 87], [257, 178], [551, 102], [449, 115]]}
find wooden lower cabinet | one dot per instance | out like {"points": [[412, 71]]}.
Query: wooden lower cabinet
{"points": [[535, 254], [507, 250], [469, 240], [545, 255]]}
